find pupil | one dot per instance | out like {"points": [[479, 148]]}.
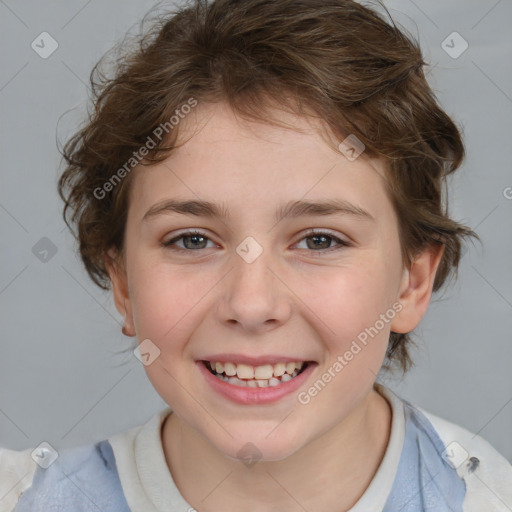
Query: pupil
{"points": [[316, 237], [195, 238]]}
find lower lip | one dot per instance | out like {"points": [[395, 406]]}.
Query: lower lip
{"points": [[248, 396]]}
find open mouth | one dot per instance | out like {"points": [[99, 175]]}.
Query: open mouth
{"points": [[267, 375]]}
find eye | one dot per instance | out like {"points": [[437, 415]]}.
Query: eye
{"points": [[196, 240], [192, 240], [321, 241]]}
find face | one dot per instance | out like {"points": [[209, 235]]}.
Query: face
{"points": [[256, 287]]}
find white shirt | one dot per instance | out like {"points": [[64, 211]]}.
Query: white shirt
{"points": [[147, 484]]}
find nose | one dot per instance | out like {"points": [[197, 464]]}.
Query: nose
{"points": [[254, 297]]}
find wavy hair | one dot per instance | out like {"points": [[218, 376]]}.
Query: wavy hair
{"points": [[337, 60]]}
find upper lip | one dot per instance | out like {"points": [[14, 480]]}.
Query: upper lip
{"points": [[253, 361]]}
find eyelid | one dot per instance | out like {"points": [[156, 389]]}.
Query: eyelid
{"points": [[305, 234], [187, 232], [341, 242], [320, 231]]}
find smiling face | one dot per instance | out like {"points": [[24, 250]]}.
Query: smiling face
{"points": [[259, 287]]}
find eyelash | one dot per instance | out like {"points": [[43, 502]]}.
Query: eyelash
{"points": [[309, 234]]}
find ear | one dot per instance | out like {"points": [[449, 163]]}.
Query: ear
{"points": [[117, 273], [416, 289]]}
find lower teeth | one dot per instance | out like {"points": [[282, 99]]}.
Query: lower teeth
{"points": [[256, 383]]}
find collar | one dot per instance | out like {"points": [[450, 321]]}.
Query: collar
{"points": [[148, 484]]}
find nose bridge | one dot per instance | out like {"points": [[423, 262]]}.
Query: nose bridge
{"points": [[253, 296], [251, 268]]}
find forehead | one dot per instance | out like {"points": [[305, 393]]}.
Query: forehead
{"points": [[247, 164]]}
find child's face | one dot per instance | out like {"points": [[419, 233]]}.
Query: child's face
{"points": [[302, 299]]}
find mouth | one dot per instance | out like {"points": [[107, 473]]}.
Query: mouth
{"points": [[263, 376]]}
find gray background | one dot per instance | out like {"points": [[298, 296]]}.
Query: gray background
{"points": [[61, 379]]}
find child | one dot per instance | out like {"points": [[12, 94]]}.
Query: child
{"points": [[261, 185]]}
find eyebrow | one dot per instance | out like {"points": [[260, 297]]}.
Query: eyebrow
{"points": [[292, 209]]}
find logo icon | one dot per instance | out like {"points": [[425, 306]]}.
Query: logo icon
{"points": [[44, 45], [351, 147], [455, 454], [44, 250], [454, 45], [249, 249], [146, 352], [249, 454], [44, 455]]}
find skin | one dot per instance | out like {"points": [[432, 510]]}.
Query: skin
{"points": [[294, 299]]}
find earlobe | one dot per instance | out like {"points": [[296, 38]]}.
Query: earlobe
{"points": [[416, 289]]}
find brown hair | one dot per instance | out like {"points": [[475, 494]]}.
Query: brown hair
{"points": [[333, 59]]}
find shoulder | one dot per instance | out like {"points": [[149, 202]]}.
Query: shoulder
{"points": [[486, 473], [81, 478]]}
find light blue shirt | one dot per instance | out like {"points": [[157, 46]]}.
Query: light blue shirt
{"points": [[425, 481], [85, 478]]}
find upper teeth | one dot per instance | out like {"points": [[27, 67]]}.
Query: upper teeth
{"points": [[266, 371]]}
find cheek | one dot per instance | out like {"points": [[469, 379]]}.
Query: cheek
{"points": [[354, 319], [164, 301], [166, 305], [349, 299]]}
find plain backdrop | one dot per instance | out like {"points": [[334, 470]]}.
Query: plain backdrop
{"points": [[61, 377]]}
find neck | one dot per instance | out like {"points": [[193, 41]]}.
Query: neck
{"points": [[330, 473]]}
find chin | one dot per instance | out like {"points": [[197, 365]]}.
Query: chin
{"points": [[252, 449]]}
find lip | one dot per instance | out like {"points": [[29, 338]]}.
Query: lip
{"points": [[255, 396], [251, 361]]}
